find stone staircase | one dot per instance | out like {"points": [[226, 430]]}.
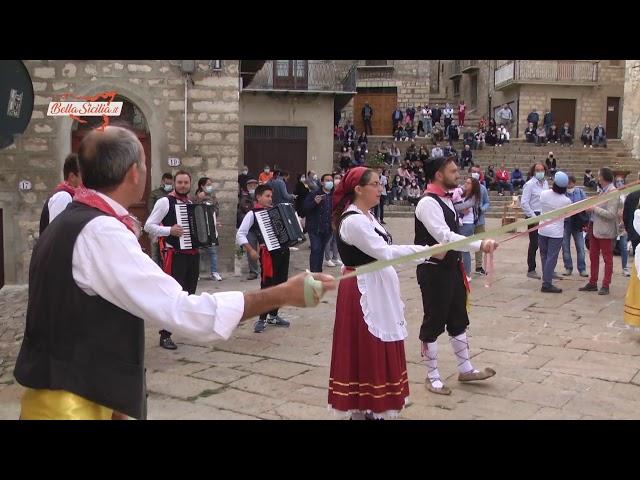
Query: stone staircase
{"points": [[572, 160]]}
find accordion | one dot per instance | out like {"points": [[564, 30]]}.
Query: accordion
{"points": [[198, 222], [280, 226]]}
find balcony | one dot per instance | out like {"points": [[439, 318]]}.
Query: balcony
{"points": [[546, 72], [455, 70], [375, 69], [468, 66], [310, 76]]}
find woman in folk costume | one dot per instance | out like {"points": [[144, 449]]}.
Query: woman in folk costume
{"points": [[632, 299], [368, 377]]}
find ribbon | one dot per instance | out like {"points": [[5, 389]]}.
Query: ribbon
{"points": [[547, 217]]}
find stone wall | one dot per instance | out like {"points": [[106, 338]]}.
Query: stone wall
{"points": [[157, 88], [631, 110]]}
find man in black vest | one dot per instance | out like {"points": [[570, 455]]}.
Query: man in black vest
{"points": [[181, 264], [444, 283], [63, 193], [274, 265], [91, 285]]}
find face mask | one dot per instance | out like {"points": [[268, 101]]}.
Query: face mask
{"points": [[540, 175], [336, 182], [315, 178], [619, 184], [252, 191], [475, 175], [209, 189], [328, 185], [571, 190], [267, 170], [303, 179], [168, 188], [244, 172]]}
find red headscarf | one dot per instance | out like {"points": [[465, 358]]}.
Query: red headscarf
{"points": [[347, 185]]}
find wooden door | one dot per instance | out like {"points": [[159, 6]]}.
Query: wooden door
{"points": [[139, 209], [473, 90], [383, 101], [613, 113], [564, 110]]}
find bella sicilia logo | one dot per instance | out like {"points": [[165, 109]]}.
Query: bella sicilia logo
{"points": [[89, 106]]}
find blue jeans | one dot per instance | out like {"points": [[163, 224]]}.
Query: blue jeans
{"points": [[331, 250], [213, 257], [467, 230], [578, 239], [318, 242], [624, 252], [549, 250]]}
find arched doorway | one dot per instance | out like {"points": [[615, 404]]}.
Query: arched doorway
{"points": [[134, 119]]}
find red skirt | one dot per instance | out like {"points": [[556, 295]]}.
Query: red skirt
{"points": [[366, 373]]}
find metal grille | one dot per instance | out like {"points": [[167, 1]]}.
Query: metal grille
{"points": [[286, 133]]}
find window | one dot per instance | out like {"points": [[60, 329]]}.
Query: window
{"points": [[290, 74], [456, 86], [375, 63], [301, 68], [282, 68]]}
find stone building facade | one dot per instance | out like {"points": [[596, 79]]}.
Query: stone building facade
{"points": [[631, 113], [157, 90]]}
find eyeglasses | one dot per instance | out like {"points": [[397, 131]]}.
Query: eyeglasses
{"points": [[375, 184]]}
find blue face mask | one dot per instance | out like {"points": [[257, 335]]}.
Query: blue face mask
{"points": [[208, 189], [168, 188], [540, 175], [328, 185]]}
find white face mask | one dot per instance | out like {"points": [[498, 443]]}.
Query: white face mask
{"points": [[252, 191], [571, 190], [168, 188], [244, 172], [475, 175], [208, 189], [303, 179]]}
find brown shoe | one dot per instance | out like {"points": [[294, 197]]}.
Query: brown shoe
{"points": [[475, 376], [440, 391]]}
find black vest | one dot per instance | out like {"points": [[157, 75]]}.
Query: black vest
{"points": [[73, 341], [170, 220], [352, 256], [423, 237]]}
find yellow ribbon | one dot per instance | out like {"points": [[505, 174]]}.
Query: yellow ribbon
{"points": [[42, 404]]}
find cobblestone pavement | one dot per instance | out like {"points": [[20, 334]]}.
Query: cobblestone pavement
{"points": [[566, 356]]}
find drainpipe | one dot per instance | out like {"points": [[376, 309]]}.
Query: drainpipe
{"points": [[185, 112]]}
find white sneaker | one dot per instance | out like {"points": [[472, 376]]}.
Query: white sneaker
{"points": [[338, 263], [294, 249], [468, 279], [216, 276], [625, 272], [330, 264]]}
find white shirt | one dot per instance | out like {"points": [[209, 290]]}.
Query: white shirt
{"points": [[152, 226], [383, 182], [636, 227], [108, 261], [243, 230], [531, 191], [549, 201], [380, 299], [57, 203], [429, 212]]}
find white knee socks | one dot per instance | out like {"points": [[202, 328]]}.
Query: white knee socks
{"points": [[430, 353], [460, 346]]}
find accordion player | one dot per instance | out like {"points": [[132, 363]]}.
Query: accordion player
{"points": [[198, 222], [280, 226]]}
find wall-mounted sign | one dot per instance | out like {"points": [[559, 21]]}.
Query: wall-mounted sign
{"points": [[611, 108], [24, 185], [174, 162]]}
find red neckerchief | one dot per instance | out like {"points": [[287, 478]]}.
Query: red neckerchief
{"points": [[178, 196], [439, 191], [92, 199], [65, 187]]}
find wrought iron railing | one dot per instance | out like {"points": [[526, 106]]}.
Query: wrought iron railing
{"points": [[311, 75], [547, 71]]}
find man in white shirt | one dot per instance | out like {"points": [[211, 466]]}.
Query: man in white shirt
{"points": [[89, 268], [63, 193], [443, 283], [530, 204]]}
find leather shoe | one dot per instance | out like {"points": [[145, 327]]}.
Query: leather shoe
{"points": [[166, 342]]}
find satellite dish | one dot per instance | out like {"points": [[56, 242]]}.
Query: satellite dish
{"points": [[16, 100]]}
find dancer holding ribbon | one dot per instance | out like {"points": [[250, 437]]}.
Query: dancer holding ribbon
{"points": [[443, 282], [368, 377]]}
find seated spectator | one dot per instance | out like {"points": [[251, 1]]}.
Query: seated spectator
{"points": [[478, 140], [338, 133], [400, 134], [541, 135], [530, 133], [363, 141], [454, 132], [450, 151], [503, 135], [502, 180], [358, 157], [398, 188], [394, 153], [467, 138], [414, 193], [599, 136], [517, 179], [566, 135], [412, 152], [490, 177], [438, 133], [551, 164], [491, 137], [552, 137], [482, 124], [436, 151], [423, 155], [411, 133], [384, 150], [466, 157], [492, 124], [345, 159], [587, 136], [589, 180]]}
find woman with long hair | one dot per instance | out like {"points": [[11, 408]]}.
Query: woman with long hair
{"points": [[368, 376], [468, 211]]}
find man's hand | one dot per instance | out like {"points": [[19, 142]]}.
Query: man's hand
{"points": [[318, 199], [253, 254], [488, 245], [293, 288], [176, 230], [440, 255]]}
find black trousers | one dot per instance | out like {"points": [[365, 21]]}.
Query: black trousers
{"points": [[533, 247], [185, 269], [280, 261], [444, 301], [367, 126]]}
